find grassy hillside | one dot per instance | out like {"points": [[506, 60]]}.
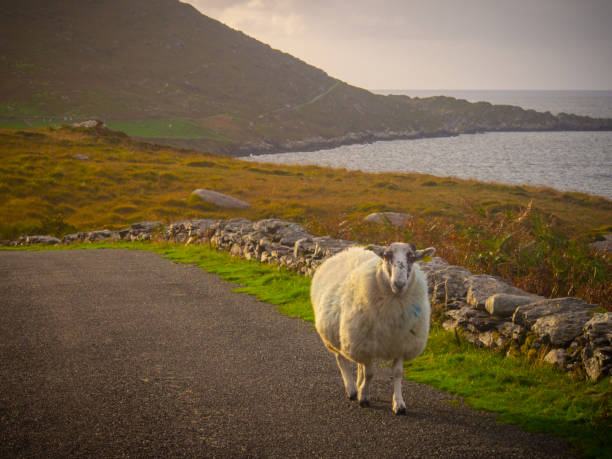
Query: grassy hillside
{"points": [[531, 235], [159, 69]]}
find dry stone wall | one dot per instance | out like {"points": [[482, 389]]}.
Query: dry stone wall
{"points": [[486, 310]]}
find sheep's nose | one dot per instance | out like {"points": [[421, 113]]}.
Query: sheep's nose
{"points": [[398, 285]]}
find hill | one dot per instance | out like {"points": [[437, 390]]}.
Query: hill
{"points": [[159, 69]]}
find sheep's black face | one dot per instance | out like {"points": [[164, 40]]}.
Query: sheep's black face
{"points": [[399, 259]]}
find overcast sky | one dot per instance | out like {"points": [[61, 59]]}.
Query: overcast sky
{"points": [[436, 44]]}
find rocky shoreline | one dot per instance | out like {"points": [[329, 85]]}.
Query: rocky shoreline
{"points": [[485, 310], [268, 146], [274, 146]]}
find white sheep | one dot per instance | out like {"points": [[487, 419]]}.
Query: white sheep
{"points": [[372, 304]]}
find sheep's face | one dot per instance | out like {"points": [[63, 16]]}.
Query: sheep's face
{"points": [[398, 259]]}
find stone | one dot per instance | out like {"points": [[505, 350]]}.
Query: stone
{"points": [[527, 315], [72, 238], [238, 225], [100, 235], [512, 332], [464, 317], [81, 157], [604, 246], [562, 328], [597, 362], [325, 246], [597, 352], [435, 264], [491, 339], [482, 286], [303, 247], [448, 284], [39, 239], [147, 226], [220, 199], [504, 304], [89, 124], [388, 218], [236, 250], [475, 326], [599, 329], [555, 357], [290, 234], [271, 225]]}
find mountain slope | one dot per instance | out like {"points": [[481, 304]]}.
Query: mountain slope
{"points": [[160, 69], [142, 58]]}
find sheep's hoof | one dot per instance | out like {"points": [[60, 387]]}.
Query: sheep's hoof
{"points": [[364, 403], [400, 411], [352, 396]]}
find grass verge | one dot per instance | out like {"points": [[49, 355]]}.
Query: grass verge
{"points": [[533, 396]]}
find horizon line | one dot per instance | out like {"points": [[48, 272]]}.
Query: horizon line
{"points": [[486, 89]]}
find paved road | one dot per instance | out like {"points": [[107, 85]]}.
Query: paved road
{"points": [[123, 353]]}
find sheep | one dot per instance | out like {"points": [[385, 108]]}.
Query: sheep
{"points": [[372, 304]]}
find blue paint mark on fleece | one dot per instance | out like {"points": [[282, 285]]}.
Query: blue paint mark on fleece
{"points": [[416, 310]]}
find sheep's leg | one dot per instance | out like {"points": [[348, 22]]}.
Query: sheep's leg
{"points": [[366, 373], [399, 407], [360, 374], [347, 376]]}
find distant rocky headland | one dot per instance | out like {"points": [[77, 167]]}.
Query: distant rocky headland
{"points": [[177, 77]]}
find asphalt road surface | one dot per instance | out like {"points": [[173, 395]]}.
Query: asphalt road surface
{"points": [[112, 353]]}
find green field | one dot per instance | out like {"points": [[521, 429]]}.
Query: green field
{"points": [[166, 129]]}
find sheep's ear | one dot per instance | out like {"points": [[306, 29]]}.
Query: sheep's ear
{"points": [[425, 253], [377, 249]]}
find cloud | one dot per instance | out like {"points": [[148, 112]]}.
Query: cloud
{"points": [[258, 18], [436, 43]]}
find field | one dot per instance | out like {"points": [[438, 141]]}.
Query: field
{"points": [[535, 236]]}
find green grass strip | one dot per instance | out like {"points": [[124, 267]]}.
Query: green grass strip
{"points": [[536, 397], [178, 128]]}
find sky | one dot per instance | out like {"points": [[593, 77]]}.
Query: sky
{"points": [[436, 44]]}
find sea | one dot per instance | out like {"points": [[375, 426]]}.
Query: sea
{"points": [[566, 161]]}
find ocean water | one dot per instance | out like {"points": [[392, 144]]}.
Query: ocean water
{"points": [[567, 161]]}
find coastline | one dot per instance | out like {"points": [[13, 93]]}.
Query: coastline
{"points": [[272, 146]]}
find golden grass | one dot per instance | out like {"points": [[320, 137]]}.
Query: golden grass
{"points": [[124, 181]]}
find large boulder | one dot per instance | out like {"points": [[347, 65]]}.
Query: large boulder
{"points": [[220, 199], [388, 218]]}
